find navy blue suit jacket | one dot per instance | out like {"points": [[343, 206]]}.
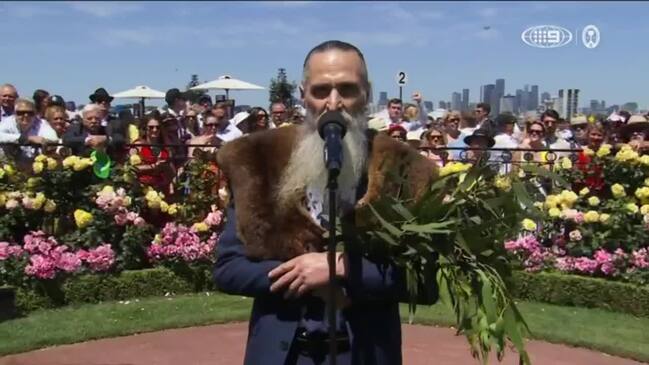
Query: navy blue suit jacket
{"points": [[372, 318]]}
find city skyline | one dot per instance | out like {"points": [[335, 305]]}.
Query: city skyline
{"points": [[72, 48]]}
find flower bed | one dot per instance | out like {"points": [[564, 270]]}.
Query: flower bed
{"points": [[597, 226], [62, 222]]}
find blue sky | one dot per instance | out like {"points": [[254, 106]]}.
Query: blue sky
{"points": [[71, 48]]}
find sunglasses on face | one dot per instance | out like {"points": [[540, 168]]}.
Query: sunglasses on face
{"points": [[435, 137], [24, 112], [152, 127], [191, 117], [210, 125], [536, 132], [262, 116], [454, 120]]}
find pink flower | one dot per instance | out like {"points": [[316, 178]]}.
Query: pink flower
{"points": [[132, 216], [4, 250], [214, 218], [565, 264], [41, 267], [28, 203], [585, 265], [121, 219], [579, 217], [640, 258], [139, 221], [100, 258], [68, 262], [15, 251], [11, 204]]}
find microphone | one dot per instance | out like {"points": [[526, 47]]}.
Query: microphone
{"points": [[331, 128]]}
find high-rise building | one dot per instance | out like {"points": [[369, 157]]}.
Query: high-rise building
{"points": [[534, 98], [567, 103], [487, 96], [429, 105], [465, 99], [594, 105], [506, 104], [456, 101], [383, 98], [500, 92], [525, 100], [545, 97], [518, 101], [442, 104]]}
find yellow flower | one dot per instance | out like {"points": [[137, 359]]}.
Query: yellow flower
{"points": [[642, 193], [625, 147], [584, 192], [521, 173], [566, 163], [631, 207], [554, 212], [32, 182], [503, 183], [538, 205], [173, 209], [157, 238], [51, 163], [3, 199], [128, 178], [50, 206], [127, 201], [82, 163], [644, 159], [603, 218], [40, 199], [9, 170], [646, 181], [2, 173], [40, 158], [135, 160], [588, 151], [593, 201], [70, 161], [82, 218], [152, 195], [591, 216], [164, 207], [568, 197], [551, 201], [37, 167], [618, 191], [529, 224], [604, 150], [107, 189], [626, 155], [200, 227], [644, 209]]}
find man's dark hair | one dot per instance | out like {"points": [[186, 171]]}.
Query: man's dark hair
{"points": [[38, 97], [484, 106], [341, 46], [395, 101], [550, 113]]}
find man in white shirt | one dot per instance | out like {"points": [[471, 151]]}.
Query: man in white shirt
{"points": [[8, 96], [506, 123], [550, 119], [22, 128], [225, 131], [395, 114]]}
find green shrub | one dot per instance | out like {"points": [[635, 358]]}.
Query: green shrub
{"points": [[581, 291]]}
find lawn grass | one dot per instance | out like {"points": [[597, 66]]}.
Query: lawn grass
{"points": [[614, 333]]}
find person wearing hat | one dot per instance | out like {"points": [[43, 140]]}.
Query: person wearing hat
{"points": [[579, 126], [478, 142], [635, 132], [397, 132], [102, 98]]}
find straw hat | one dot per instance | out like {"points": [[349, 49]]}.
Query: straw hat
{"points": [[578, 119]]}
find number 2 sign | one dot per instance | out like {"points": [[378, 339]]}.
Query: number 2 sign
{"points": [[402, 78]]}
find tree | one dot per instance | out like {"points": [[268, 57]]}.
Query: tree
{"points": [[281, 90], [193, 95]]}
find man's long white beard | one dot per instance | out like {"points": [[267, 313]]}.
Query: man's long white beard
{"points": [[306, 166]]}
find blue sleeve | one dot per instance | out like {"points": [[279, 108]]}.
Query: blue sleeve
{"points": [[234, 272]]}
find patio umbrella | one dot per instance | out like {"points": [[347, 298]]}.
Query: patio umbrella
{"points": [[227, 83], [140, 92]]}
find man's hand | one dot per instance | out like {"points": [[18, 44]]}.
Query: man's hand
{"points": [[416, 96], [96, 141], [36, 139], [304, 273]]}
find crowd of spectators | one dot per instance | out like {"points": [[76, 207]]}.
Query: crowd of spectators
{"points": [[166, 138]]}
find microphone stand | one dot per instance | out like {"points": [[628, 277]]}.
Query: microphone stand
{"points": [[332, 185]]}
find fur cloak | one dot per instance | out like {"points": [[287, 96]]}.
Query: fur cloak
{"points": [[254, 164]]}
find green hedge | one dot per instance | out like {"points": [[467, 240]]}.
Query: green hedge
{"points": [[96, 288], [551, 288], [581, 291]]}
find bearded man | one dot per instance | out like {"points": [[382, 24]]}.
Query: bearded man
{"points": [[272, 248]]}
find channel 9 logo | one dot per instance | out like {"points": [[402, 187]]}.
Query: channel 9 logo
{"points": [[554, 36]]}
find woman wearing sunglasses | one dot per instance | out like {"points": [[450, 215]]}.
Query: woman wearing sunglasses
{"points": [[534, 141], [434, 143], [155, 169]]}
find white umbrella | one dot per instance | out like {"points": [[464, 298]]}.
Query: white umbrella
{"points": [[140, 92], [227, 83]]}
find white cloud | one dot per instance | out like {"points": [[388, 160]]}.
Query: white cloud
{"points": [[488, 12], [105, 9]]}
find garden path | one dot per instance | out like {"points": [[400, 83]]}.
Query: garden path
{"points": [[224, 344]]}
